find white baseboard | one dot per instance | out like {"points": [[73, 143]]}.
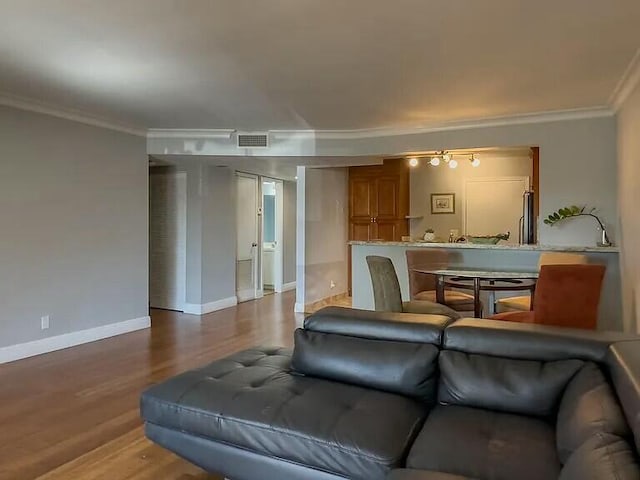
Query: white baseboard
{"points": [[298, 307], [197, 309], [288, 286], [59, 342]]}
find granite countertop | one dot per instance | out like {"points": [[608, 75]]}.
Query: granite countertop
{"points": [[546, 248]]}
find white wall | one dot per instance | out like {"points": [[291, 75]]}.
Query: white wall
{"points": [[289, 227], [218, 235], [629, 202], [577, 165], [211, 230], [73, 210], [325, 224], [426, 179]]}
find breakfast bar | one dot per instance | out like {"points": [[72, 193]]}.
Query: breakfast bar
{"points": [[487, 259]]}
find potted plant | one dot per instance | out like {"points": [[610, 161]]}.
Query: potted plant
{"points": [[575, 211]]}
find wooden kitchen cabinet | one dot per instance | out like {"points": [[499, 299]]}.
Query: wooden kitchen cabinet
{"points": [[379, 201]]}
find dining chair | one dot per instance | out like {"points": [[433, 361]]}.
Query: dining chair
{"points": [[422, 286], [522, 303], [387, 295], [565, 296]]}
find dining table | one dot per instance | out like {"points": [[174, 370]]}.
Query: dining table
{"points": [[481, 280]]}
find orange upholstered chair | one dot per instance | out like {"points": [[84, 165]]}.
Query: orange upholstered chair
{"points": [[565, 295], [422, 286], [522, 303]]}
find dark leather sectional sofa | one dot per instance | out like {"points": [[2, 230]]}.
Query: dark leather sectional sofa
{"points": [[373, 396]]}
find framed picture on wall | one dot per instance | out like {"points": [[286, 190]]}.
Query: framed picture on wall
{"points": [[443, 203]]}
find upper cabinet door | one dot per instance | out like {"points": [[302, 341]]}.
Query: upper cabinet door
{"points": [[388, 197], [362, 197]]}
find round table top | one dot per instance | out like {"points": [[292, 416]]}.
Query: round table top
{"points": [[483, 274]]}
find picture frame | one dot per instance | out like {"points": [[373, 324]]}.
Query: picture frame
{"points": [[443, 203]]}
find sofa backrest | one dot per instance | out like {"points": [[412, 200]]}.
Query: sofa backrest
{"points": [[493, 364], [402, 327], [528, 341], [527, 387], [588, 408], [396, 353]]}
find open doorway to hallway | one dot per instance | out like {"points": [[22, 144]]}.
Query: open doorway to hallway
{"points": [[259, 262], [272, 233]]}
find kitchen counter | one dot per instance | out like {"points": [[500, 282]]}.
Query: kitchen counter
{"points": [[506, 246], [472, 256]]}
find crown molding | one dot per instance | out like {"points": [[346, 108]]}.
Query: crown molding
{"points": [[629, 80], [30, 105], [191, 134], [503, 121], [302, 135]]}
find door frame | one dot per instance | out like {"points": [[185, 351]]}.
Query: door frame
{"points": [[278, 253], [256, 291]]}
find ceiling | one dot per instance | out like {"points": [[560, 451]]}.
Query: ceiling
{"points": [[309, 64]]}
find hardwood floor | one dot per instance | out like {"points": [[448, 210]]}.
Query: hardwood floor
{"points": [[73, 414]]}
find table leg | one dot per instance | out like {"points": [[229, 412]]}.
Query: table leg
{"points": [[477, 306], [440, 289], [533, 291]]}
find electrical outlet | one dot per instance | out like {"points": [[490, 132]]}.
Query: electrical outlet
{"points": [[44, 322], [332, 284]]}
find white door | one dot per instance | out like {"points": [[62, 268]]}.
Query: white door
{"points": [[167, 240], [494, 205], [248, 237]]}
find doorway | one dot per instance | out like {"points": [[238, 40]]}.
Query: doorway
{"points": [[167, 239], [272, 236]]}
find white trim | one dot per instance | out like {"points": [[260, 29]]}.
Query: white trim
{"points": [[312, 135], [30, 105], [190, 133], [298, 307], [197, 309], [66, 340], [630, 78], [288, 286]]}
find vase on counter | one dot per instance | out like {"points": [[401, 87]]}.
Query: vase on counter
{"points": [[429, 235]]}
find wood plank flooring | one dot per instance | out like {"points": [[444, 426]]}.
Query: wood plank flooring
{"points": [[73, 414]]}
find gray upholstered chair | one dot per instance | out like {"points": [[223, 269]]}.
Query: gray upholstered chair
{"points": [[388, 297]]}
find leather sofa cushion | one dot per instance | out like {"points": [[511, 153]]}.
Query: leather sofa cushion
{"points": [[484, 444], [402, 327], [408, 474], [398, 367], [587, 407], [602, 457], [528, 341], [624, 366], [519, 386], [250, 400]]}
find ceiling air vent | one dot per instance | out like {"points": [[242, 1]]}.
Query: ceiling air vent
{"points": [[253, 140]]}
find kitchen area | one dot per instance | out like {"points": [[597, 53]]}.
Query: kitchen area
{"points": [[480, 206]]}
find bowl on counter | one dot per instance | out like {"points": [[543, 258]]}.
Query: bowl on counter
{"points": [[487, 239]]}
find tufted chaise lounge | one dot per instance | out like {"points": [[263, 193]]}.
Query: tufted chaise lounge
{"points": [[373, 396]]}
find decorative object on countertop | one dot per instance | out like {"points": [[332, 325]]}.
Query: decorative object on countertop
{"points": [[443, 203], [488, 239], [429, 235], [575, 211]]}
